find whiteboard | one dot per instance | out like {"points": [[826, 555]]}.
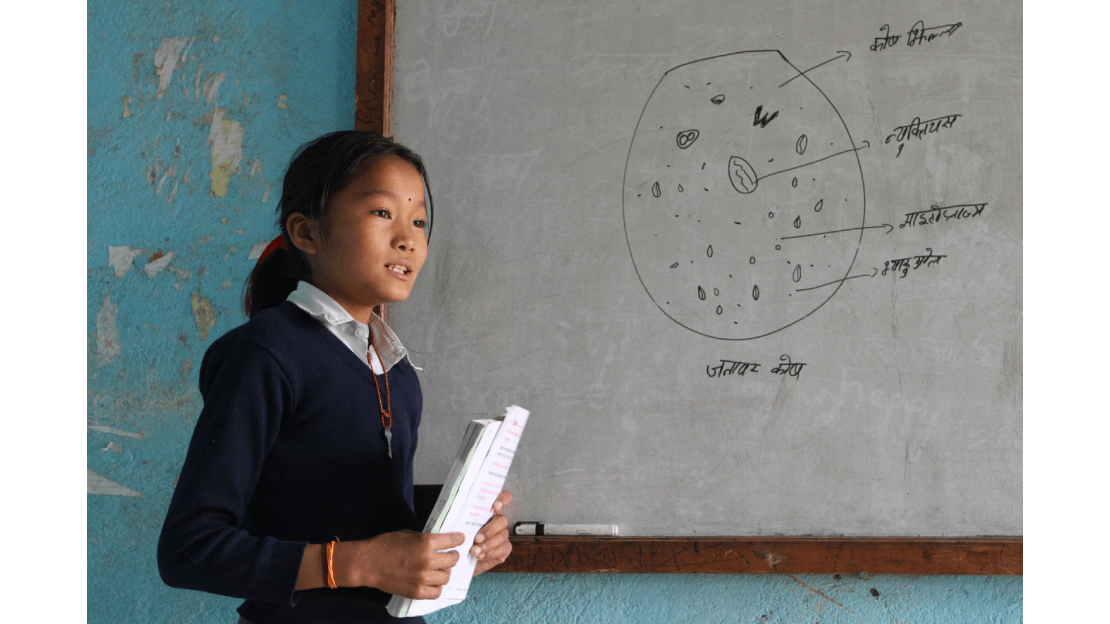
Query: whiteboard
{"points": [[755, 268]]}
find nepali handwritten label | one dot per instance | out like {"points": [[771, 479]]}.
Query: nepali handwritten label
{"points": [[737, 368], [917, 35], [904, 265], [917, 129], [936, 214]]}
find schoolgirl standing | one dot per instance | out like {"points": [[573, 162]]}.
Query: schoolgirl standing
{"points": [[297, 494]]}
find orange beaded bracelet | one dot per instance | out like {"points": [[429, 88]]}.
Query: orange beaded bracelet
{"points": [[329, 550]]}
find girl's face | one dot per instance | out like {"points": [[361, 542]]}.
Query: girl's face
{"points": [[373, 245]]}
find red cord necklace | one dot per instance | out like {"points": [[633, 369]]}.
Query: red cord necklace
{"points": [[387, 408]]}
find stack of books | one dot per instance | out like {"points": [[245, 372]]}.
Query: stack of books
{"points": [[465, 503]]}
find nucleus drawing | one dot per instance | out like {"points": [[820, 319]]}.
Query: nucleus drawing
{"points": [[744, 199]]}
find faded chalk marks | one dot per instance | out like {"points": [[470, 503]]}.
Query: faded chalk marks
{"points": [[166, 58], [225, 137], [120, 259], [107, 331], [100, 485], [156, 263], [204, 313]]}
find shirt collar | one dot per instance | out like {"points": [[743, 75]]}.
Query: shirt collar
{"points": [[320, 306]]}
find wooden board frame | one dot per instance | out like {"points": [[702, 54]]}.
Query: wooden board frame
{"points": [[766, 555], [374, 66], [374, 75], [684, 555]]}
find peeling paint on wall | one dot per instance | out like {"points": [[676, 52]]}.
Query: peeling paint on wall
{"points": [[100, 485], [120, 259], [226, 139], [204, 313], [212, 85], [182, 275], [120, 432], [169, 174], [166, 59], [126, 107], [157, 263], [281, 101], [107, 331], [184, 371], [257, 249]]}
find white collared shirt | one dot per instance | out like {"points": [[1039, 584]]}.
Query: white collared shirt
{"points": [[320, 306]]}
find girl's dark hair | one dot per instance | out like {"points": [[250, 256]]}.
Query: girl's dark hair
{"points": [[318, 169]]}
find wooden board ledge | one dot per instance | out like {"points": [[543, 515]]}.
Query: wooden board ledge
{"points": [[766, 555]]}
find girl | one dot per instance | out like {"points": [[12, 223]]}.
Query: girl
{"points": [[297, 493]]}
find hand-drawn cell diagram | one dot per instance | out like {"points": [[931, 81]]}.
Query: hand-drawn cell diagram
{"points": [[743, 196]]}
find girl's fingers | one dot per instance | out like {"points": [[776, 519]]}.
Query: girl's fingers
{"points": [[497, 525]]}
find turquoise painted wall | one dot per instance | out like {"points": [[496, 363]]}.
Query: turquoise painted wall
{"points": [[193, 110]]}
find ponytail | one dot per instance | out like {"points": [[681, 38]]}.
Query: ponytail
{"points": [[274, 276], [318, 169]]}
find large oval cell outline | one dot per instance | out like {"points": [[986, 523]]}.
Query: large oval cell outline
{"points": [[744, 188]]}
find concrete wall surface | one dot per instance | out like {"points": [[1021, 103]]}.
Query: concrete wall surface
{"points": [[194, 108], [711, 598]]}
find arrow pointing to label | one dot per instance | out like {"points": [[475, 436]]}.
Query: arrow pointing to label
{"points": [[889, 229], [873, 274], [841, 54]]}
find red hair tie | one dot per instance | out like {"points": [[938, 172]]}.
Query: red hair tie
{"points": [[277, 243]]}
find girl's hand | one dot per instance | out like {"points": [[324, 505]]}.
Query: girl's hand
{"points": [[491, 544], [402, 562]]}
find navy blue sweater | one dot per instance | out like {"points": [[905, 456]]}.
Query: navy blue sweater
{"points": [[288, 450]]}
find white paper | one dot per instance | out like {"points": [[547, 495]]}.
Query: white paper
{"points": [[470, 511]]}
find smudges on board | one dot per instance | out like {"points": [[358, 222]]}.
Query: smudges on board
{"points": [[107, 331], [203, 312]]}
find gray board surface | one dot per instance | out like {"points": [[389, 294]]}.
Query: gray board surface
{"points": [[755, 268]]}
